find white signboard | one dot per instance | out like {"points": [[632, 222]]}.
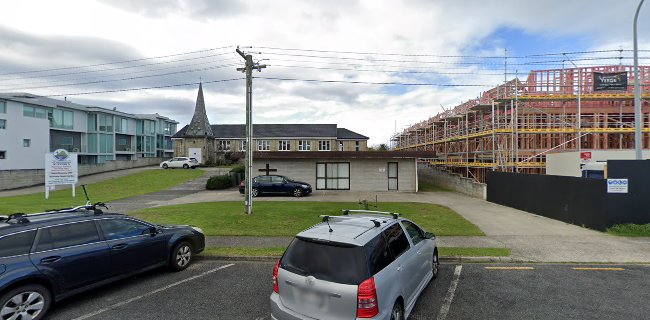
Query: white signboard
{"points": [[617, 185], [60, 168]]}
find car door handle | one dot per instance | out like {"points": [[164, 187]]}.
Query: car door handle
{"points": [[419, 252], [50, 259], [399, 268], [120, 246]]}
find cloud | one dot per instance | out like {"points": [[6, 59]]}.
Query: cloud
{"points": [[204, 9]]}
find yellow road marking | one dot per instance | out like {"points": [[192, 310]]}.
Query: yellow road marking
{"points": [[509, 268], [599, 269]]}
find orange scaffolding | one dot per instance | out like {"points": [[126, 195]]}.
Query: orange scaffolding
{"points": [[513, 126]]}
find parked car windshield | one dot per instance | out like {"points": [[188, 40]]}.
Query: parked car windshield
{"points": [[335, 262]]}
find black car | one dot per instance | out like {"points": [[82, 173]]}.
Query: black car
{"points": [[277, 185], [50, 256]]}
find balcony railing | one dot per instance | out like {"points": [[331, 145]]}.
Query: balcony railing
{"points": [[124, 148]]}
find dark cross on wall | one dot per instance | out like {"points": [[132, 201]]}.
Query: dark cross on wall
{"points": [[268, 170]]}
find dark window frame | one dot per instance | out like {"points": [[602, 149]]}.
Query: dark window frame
{"points": [[26, 249], [41, 233], [104, 233], [419, 230], [396, 177], [348, 178], [403, 233]]}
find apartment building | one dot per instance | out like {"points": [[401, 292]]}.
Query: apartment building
{"points": [[31, 126]]}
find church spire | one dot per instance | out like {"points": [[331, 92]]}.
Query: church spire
{"points": [[199, 126]]}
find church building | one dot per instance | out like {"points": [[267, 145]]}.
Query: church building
{"points": [[208, 142]]}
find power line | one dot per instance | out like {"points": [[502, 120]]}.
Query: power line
{"points": [[128, 78], [116, 62], [376, 83], [144, 88]]}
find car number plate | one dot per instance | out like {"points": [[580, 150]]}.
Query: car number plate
{"points": [[313, 299]]}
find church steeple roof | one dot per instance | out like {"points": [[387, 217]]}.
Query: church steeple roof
{"points": [[199, 126]]}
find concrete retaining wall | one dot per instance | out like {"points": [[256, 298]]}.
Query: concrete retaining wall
{"points": [[452, 181], [12, 179]]}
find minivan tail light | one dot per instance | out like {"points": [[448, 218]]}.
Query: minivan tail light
{"points": [[276, 289], [367, 299]]}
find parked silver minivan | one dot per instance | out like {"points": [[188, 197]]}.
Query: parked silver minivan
{"points": [[361, 265]]}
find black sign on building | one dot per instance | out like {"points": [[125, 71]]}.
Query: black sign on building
{"points": [[610, 81]]}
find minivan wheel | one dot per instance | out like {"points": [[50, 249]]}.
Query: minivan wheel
{"points": [[435, 264], [297, 192], [255, 192], [185, 166], [398, 312], [26, 302], [181, 256], [165, 166]]}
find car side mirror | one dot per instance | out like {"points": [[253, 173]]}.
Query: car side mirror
{"points": [[429, 235], [153, 231]]}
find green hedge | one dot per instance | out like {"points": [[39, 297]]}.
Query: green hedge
{"points": [[238, 169], [218, 182]]}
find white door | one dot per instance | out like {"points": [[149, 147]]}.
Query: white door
{"points": [[195, 153]]}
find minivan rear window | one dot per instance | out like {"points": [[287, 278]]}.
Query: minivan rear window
{"points": [[335, 262]]}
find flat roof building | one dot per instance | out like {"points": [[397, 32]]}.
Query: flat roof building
{"points": [[32, 125]]}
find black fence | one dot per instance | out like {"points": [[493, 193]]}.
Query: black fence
{"points": [[580, 201]]}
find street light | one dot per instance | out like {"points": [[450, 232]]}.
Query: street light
{"points": [[638, 140], [579, 102]]}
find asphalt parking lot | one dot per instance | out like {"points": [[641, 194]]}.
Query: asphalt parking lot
{"points": [[240, 290]]}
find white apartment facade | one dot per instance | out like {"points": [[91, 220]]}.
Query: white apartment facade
{"points": [[31, 126]]}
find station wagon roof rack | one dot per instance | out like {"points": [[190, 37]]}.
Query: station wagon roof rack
{"points": [[394, 215], [327, 219]]}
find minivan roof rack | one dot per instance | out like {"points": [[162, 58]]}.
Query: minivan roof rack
{"points": [[327, 218], [394, 215]]}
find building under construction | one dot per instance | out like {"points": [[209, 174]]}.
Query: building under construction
{"points": [[514, 126]]}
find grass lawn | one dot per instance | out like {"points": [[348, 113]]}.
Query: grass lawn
{"points": [[278, 251], [424, 186], [285, 218], [122, 187], [630, 230]]}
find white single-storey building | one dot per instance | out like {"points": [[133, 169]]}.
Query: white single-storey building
{"points": [[345, 170]]}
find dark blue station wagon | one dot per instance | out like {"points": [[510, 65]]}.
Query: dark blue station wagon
{"points": [[50, 256]]}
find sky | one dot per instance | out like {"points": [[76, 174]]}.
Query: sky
{"points": [[373, 66]]}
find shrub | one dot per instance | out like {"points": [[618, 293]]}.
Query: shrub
{"points": [[218, 182], [238, 169]]}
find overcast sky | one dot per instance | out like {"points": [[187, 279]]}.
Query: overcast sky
{"points": [[455, 47]]}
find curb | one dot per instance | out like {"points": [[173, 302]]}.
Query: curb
{"points": [[445, 259]]}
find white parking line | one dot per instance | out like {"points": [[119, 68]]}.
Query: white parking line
{"points": [[117, 305], [444, 310]]}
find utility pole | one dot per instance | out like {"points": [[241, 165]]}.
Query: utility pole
{"points": [[638, 136], [248, 69], [579, 102]]}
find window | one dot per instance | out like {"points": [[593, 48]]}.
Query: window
{"points": [[242, 145], [3, 124], [263, 145], [16, 244], [392, 176], [324, 145], [105, 122], [356, 146], [3, 155], [277, 179], [224, 145], [397, 241], [67, 235], [34, 112], [61, 119], [92, 122], [284, 145], [414, 232], [378, 255], [27, 143], [331, 261], [3, 106], [122, 125], [92, 142], [122, 228], [333, 176], [340, 145], [304, 145], [263, 179]]}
